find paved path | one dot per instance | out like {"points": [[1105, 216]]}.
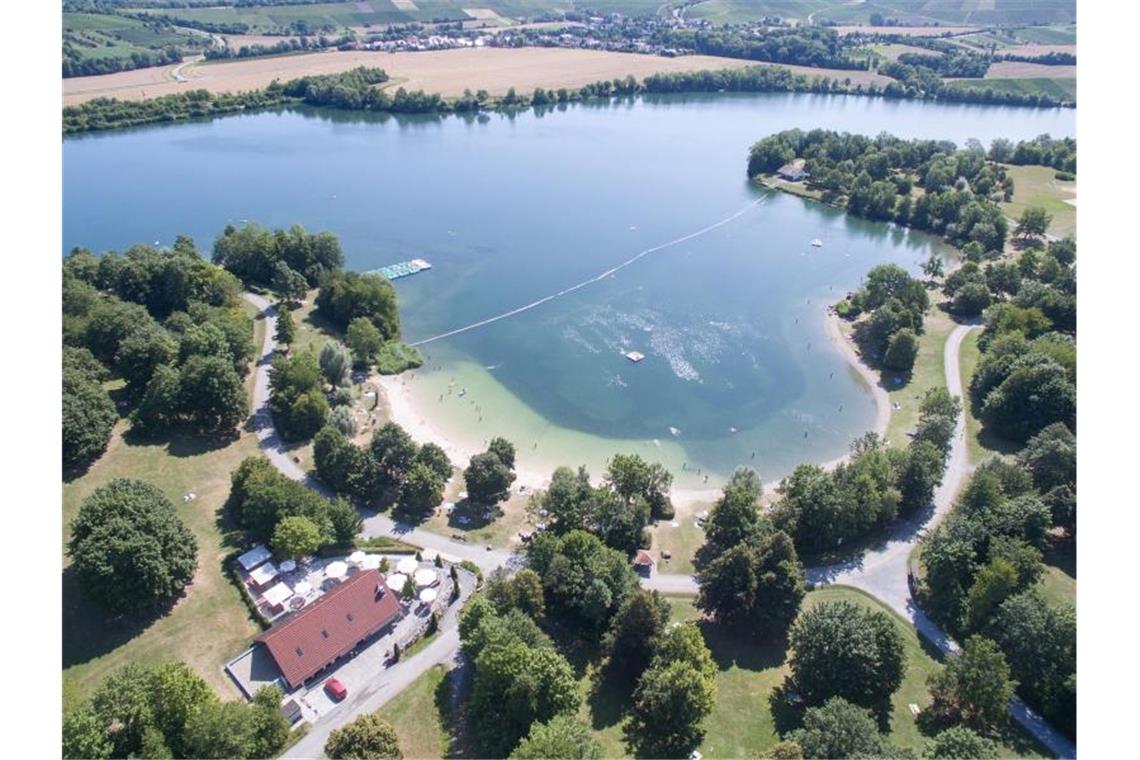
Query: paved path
{"points": [[882, 571]]}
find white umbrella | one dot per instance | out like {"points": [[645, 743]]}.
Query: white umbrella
{"points": [[407, 565], [356, 557], [426, 578], [336, 569], [428, 595], [396, 582], [371, 561], [287, 566], [302, 588]]}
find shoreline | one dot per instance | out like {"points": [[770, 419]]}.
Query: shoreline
{"points": [[404, 411]]}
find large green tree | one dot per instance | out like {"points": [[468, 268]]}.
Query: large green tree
{"points": [[88, 417], [841, 649], [670, 705], [629, 643], [974, 686], [488, 479], [759, 585], [838, 729], [295, 537], [129, 548], [563, 737]]}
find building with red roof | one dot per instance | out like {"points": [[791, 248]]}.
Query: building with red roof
{"points": [[644, 562], [310, 640]]}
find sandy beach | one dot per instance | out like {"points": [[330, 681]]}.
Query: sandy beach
{"points": [[409, 414]]}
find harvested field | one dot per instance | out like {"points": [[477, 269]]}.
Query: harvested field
{"points": [[238, 41], [1033, 51], [447, 72], [892, 51], [1019, 70], [909, 31]]}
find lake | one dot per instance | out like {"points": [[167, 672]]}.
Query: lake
{"points": [[727, 301]]}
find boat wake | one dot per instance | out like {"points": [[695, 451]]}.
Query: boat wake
{"points": [[598, 278]]}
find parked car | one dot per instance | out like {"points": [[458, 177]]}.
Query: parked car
{"points": [[335, 689]]}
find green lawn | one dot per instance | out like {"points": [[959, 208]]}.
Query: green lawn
{"points": [[417, 717], [681, 542], [1057, 586], [210, 624], [1037, 186], [929, 372]]}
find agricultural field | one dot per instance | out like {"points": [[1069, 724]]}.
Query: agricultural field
{"points": [[93, 645], [447, 72], [905, 12], [1048, 35], [1039, 186], [1065, 89], [905, 31], [891, 52], [1023, 70], [96, 42]]}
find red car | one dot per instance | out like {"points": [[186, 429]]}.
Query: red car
{"points": [[336, 689]]}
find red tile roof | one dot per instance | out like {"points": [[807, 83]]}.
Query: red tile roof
{"points": [[305, 643], [644, 558]]}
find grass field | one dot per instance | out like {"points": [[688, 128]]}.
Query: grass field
{"points": [[682, 541], [1065, 89], [1038, 186], [1057, 586], [929, 372], [209, 624], [741, 724]]}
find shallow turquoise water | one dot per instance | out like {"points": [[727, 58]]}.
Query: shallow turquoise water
{"points": [[512, 209]]}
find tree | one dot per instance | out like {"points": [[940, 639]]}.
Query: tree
{"points": [[1039, 641], [567, 499], [670, 705], [394, 452], [844, 650], [959, 742], [124, 700], [504, 450], [435, 458], [286, 331], [1051, 456], [335, 363], [296, 537], [212, 395], [585, 581], [759, 585], [735, 518], [1036, 393], [140, 352], [129, 548], [488, 479], [343, 420], [1034, 222], [513, 687], [220, 729], [84, 737], [289, 284], [971, 299], [364, 340], [902, 350], [933, 266], [632, 477], [561, 738], [838, 729], [176, 693], [422, 490], [684, 643], [346, 521], [269, 727], [974, 686], [88, 417], [629, 643], [369, 737], [992, 585]]}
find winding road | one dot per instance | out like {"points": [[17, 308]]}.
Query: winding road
{"points": [[882, 571]]}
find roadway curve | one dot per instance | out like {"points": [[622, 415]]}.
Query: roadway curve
{"points": [[881, 571]]}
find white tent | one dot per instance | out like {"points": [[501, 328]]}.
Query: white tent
{"points": [[407, 565], [263, 574], [254, 557], [336, 569], [396, 582], [371, 562], [428, 595], [302, 588], [426, 578], [356, 557], [278, 594], [287, 566]]}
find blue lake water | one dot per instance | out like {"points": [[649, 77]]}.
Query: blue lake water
{"points": [[510, 209]]}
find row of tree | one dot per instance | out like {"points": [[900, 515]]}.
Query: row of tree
{"points": [[801, 46], [822, 510], [984, 562], [168, 710], [295, 519], [875, 177], [632, 493], [286, 261]]}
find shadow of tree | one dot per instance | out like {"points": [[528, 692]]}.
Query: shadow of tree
{"points": [[90, 632], [609, 699], [451, 697], [735, 645]]}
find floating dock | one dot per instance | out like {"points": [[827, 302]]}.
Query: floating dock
{"points": [[403, 269], [635, 356]]}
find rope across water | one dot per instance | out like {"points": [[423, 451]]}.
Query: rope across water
{"points": [[592, 280]]}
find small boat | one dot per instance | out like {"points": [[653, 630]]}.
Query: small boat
{"points": [[817, 243], [674, 431]]}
